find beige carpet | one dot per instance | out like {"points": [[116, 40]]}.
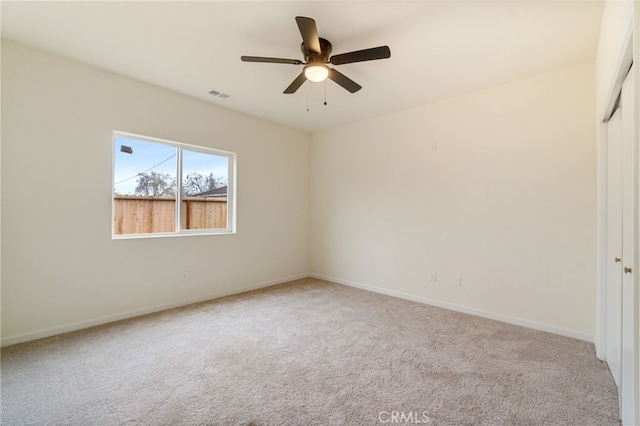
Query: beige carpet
{"points": [[307, 353]]}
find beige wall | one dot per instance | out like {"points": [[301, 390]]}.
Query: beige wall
{"points": [[61, 269], [507, 201]]}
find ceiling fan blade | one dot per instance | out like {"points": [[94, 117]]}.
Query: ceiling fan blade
{"points": [[309, 33], [381, 52], [344, 81], [271, 60], [295, 84]]}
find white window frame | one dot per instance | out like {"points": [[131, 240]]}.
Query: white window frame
{"points": [[231, 188]]}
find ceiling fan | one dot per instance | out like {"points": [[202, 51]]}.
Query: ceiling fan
{"points": [[316, 52]]}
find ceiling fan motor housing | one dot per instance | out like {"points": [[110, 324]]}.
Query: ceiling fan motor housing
{"points": [[324, 55]]}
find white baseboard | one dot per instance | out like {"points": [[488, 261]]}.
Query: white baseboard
{"points": [[138, 312], [464, 309]]}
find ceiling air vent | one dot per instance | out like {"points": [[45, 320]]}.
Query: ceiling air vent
{"points": [[219, 94]]}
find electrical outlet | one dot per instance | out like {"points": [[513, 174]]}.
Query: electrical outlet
{"points": [[184, 276], [432, 277], [457, 281], [434, 146]]}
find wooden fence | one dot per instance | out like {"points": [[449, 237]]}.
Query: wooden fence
{"points": [[146, 215]]}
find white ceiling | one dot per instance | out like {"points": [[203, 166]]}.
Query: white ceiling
{"points": [[438, 48]]}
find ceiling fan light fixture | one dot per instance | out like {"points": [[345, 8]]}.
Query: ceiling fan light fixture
{"points": [[316, 73], [316, 52]]}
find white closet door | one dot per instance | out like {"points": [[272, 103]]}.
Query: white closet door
{"points": [[629, 369], [614, 245]]}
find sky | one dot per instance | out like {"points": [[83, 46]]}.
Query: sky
{"points": [[157, 157]]}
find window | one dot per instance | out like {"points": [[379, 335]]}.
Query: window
{"points": [[168, 188]]}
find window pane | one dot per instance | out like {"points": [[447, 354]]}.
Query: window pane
{"points": [[144, 189], [204, 190]]}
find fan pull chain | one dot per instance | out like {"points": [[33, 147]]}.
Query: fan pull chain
{"points": [[325, 93], [307, 99]]}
